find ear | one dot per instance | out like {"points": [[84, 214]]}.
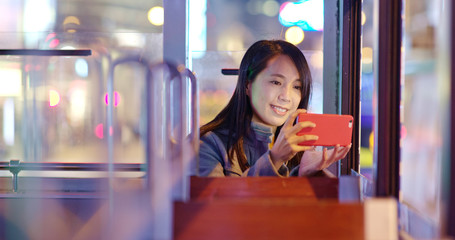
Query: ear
{"points": [[248, 89]]}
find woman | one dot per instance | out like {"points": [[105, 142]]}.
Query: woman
{"points": [[255, 135]]}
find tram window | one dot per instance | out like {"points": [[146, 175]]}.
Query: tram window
{"points": [[367, 89], [53, 109], [424, 107], [119, 29], [232, 26]]}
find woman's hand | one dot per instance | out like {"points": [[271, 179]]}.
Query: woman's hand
{"points": [[313, 161], [286, 144]]}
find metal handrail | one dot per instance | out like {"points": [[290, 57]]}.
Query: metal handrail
{"points": [[60, 166], [15, 166], [194, 134], [46, 52], [171, 68]]}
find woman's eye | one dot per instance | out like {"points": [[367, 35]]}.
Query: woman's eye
{"points": [[298, 87], [275, 82]]}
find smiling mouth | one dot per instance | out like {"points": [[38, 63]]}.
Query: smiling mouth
{"points": [[279, 110]]}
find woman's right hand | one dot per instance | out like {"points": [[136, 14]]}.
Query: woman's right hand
{"points": [[287, 142], [313, 161]]}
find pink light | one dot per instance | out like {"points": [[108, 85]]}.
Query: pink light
{"points": [[404, 132], [99, 129], [116, 99], [54, 43], [27, 67], [50, 35], [283, 6]]}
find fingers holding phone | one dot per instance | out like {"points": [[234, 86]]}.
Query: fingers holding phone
{"points": [[335, 154], [292, 130], [313, 161], [287, 142], [332, 129]]}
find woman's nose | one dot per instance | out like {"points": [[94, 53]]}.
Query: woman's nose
{"points": [[284, 94]]}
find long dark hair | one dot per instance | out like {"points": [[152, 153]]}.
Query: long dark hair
{"points": [[237, 115]]}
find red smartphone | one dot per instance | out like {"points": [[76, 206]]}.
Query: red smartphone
{"points": [[332, 129]]}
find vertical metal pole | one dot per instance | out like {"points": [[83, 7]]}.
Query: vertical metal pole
{"points": [[175, 40], [194, 127], [332, 61], [110, 145], [450, 225], [150, 121], [174, 31], [351, 75], [387, 55], [160, 165], [332, 64]]}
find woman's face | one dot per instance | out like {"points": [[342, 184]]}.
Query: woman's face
{"points": [[275, 93]]}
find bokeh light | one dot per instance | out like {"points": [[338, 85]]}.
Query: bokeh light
{"points": [[71, 23], [52, 40], [50, 36], [294, 35], [54, 43], [8, 122], [81, 67], [371, 141], [403, 132], [364, 18], [198, 28], [317, 60], [99, 131], [270, 8], [116, 99], [367, 55], [68, 47], [156, 16], [10, 82], [254, 7], [27, 67], [78, 104], [367, 60], [54, 98], [308, 15], [38, 16], [71, 20], [211, 103]]}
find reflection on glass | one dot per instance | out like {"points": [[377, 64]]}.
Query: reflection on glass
{"points": [[216, 89], [232, 26], [366, 93], [423, 109], [53, 108]]}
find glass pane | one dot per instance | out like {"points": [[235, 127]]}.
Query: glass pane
{"points": [[424, 108], [220, 38], [53, 108], [367, 89]]}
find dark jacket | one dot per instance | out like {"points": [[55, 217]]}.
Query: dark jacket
{"points": [[213, 155]]}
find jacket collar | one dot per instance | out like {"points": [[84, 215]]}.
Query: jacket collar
{"points": [[262, 133]]}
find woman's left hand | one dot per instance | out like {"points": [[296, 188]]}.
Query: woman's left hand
{"points": [[313, 161]]}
